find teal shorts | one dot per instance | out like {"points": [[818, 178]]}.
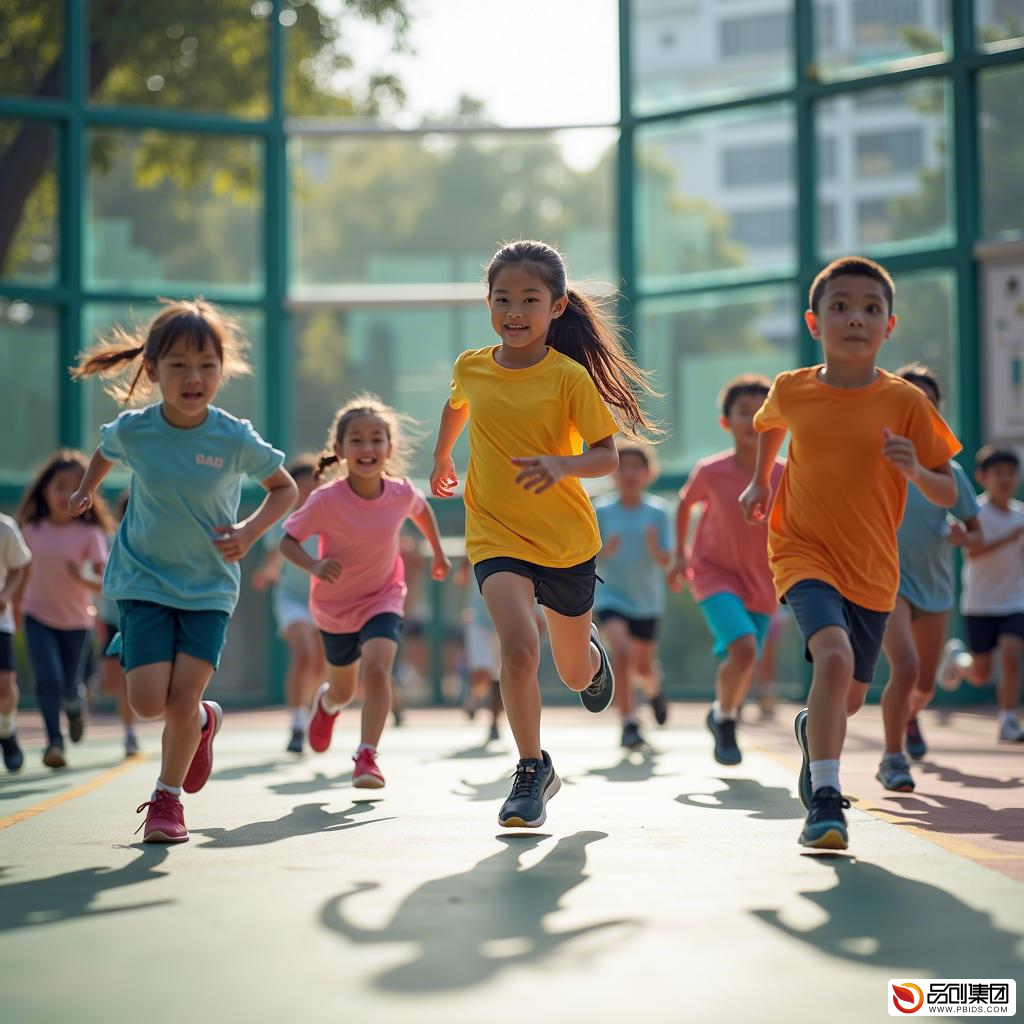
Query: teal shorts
{"points": [[151, 633], [728, 619]]}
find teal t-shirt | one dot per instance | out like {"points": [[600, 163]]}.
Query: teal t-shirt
{"points": [[184, 483], [292, 580], [926, 575], [634, 584]]}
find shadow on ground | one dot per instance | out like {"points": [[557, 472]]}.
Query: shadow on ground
{"points": [[951, 815], [304, 820], [309, 787], [470, 926], [763, 803]]}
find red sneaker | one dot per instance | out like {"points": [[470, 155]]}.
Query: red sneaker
{"points": [[321, 724], [165, 819], [366, 774], [202, 760]]}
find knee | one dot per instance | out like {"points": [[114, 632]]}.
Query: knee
{"points": [[376, 675], [520, 657], [904, 672], [835, 661], [855, 698], [147, 705], [743, 653], [620, 652]]}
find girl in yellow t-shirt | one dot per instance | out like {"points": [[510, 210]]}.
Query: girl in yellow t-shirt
{"points": [[532, 402]]}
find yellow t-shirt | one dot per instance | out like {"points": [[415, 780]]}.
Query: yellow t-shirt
{"points": [[549, 408], [840, 501]]}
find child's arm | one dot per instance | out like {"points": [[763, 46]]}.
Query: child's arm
{"points": [[269, 571], [327, 569], [94, 582], [426, 523], [81, 501], [610, 546], [234, 541], [443, 479], [937, 485], [681, 560], [539, 472], [658, 554], [12, 585], [754, 499], [987, 549], [967, 535]]}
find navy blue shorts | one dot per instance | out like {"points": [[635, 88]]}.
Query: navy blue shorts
{"points": [[568, 591], [639, 629], [345, 648], [984, 631], [817, 605], [6, 652]]}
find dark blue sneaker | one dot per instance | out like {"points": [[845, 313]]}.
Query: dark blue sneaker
{"points": [[534, 784], [803, 785], [659, 705], [825, 827], [13, 757], [726, 750], [631, 737], [916, 746], [297, 743], [894, 773], [598, 695]]}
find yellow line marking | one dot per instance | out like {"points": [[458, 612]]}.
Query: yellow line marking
{"points": [[72, 794]]}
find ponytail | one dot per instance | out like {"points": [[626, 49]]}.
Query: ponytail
{"points": [[327, 458]]}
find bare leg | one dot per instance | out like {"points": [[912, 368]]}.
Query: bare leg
{"points": [[1011, 650], [377, 663], [736, 673], [827, 701], [904, 670], [616, 634], [9, 693], [576, 658], [929, 637]]}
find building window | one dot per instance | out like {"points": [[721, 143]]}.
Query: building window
{"points": [[878, 21], [874, 221], [746, 37], [763, 229], [768, 163], [883, 153], [828, 157]]}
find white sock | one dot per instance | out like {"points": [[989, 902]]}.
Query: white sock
{"points": [[173, 790], [825, 773], [299, 718], [719, 716], [203, 716], [330, 706], [629, 720], [1004, 716], [7, 725], [365, 746]]}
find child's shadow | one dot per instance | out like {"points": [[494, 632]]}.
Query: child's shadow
{"points": [[635, 766], [764, 803], [307, 787], [304, 820]]}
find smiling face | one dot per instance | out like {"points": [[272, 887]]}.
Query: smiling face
{"points": [[366, 447], [852, 320], [522, 306], [188, 378]]}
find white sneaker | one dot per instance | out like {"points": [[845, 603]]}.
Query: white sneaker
{"points": [[949, 673], [1010, 731]]}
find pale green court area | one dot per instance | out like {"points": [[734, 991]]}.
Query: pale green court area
{"points": [[662, 888]]}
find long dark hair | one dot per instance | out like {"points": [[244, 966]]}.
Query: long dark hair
{"points": [[587, 334], [33, 507]]}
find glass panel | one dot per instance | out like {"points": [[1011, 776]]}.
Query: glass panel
{"points": [[1002, 152], [689, 52], [998, 20], [854, 35], [167, 208], [242, 397], [194, 55], [434, 208], [28, 381], [32, 47], [28, 211], [696, 343], [346, 64], [702, 205], [403, 355], [891, 177]]}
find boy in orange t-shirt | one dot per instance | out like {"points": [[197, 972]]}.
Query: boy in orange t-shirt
{"points": [[858, 434]]}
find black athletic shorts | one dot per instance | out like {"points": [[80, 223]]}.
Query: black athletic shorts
{"points": [[568, 591]]}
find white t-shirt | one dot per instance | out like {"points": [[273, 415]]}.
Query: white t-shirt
{"points": [[994, 583], [14, 554]]}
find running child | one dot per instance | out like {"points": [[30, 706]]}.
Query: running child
{"points": [[112, 678], [532, 402], [992, 597], [357, 591], [636, 550], [58, 594], [14, 559], [917, 626], [173, 569], [857, 435], [727, 568], [295, 626]]}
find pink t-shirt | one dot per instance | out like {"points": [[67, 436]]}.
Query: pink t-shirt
{"points": [[363, 535], [52, 595], [729, 556]]}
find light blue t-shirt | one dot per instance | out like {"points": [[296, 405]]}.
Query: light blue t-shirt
{"points": [[634, 584], [926, 575], [292, 580], [184, 483]]}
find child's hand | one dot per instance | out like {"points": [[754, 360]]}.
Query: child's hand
{"points": [[80, 502], [611, 546], [677, 570], [539, 472], [261, 579], [440, 568], [76, 571], [327, 569], [653, 541], [900, 451], [234, 542], [443, 478], [958, 535], [754, 502]]}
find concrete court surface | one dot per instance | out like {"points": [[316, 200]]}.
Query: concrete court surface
{"points": [[663, 887]]}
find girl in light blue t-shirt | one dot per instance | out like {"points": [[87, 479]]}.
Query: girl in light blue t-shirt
{"points": [[173, 569]]}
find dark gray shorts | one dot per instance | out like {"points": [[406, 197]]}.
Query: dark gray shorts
{"points": [[817, 605], [568, 591]]}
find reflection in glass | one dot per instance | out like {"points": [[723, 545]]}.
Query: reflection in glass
{"points": [[32, 47], [696, 344], [28, 371], [389, 210], [1001, 137], [689, 52], [892, 175], [28, 207], [716, 193], [998, 20], [170, 208]]}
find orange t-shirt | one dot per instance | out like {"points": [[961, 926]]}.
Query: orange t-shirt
{"points": [[840, 502]]}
